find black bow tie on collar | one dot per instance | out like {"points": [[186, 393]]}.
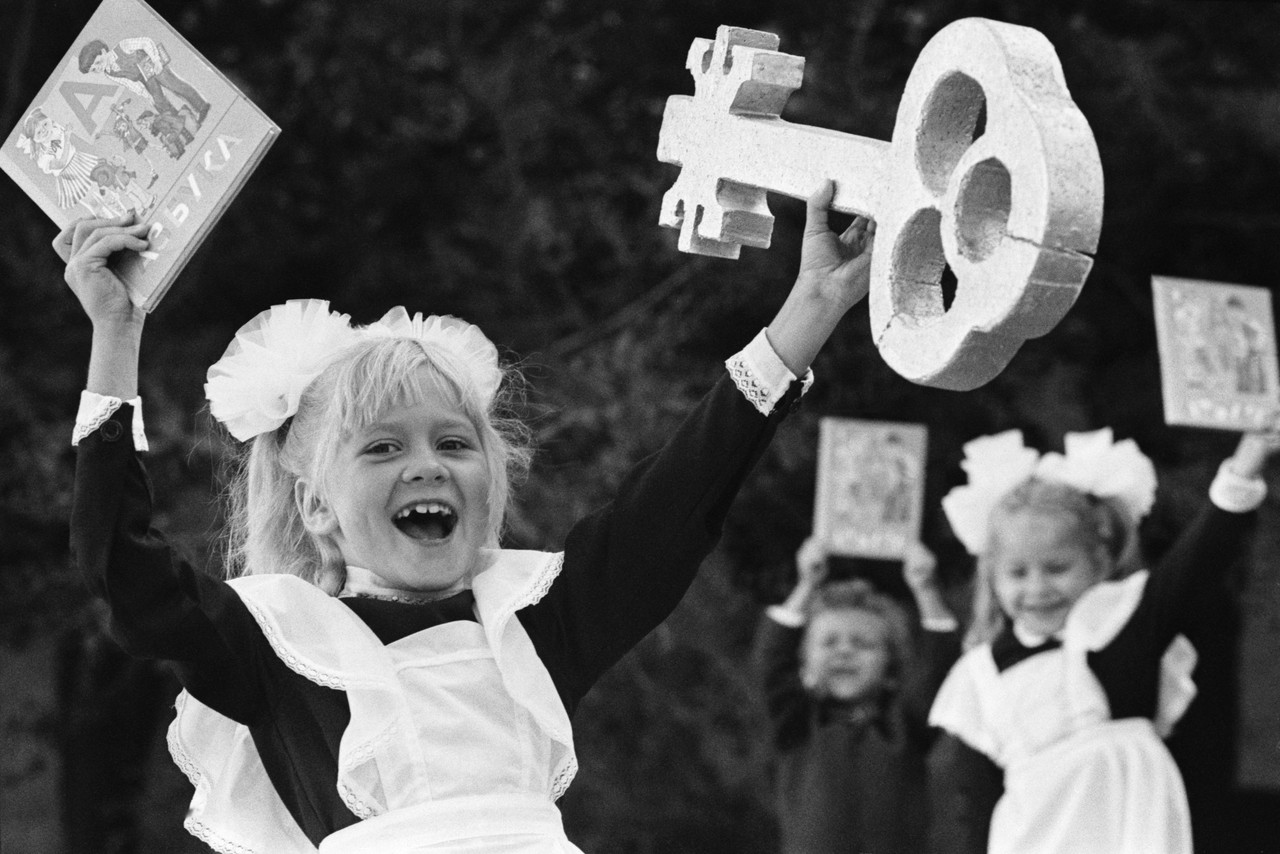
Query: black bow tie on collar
{"points": [[460, 606], [1007, 650], [391, 620]]}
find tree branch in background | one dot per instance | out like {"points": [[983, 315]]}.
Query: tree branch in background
{"points": [[629, 313]]}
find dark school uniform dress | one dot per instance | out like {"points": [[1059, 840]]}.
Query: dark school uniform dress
{"points": [[851, 783], [624, 569]]}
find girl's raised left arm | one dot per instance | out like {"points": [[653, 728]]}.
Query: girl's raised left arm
{"points": [[627, 565]]}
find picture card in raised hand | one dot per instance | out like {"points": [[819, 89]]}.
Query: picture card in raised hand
{"points": [[1218, 365], [870, 486]]}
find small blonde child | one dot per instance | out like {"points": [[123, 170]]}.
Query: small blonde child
{"points": [[848, 699], [380, 675], [1075, 669]]}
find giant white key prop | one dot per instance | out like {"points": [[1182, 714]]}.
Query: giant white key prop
{"points": [[1012, 204]]}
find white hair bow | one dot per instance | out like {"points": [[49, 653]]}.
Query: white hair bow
{"points": [[1092, 463], [257, 384]]}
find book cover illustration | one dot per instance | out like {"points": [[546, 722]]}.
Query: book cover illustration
{"points": [[135, 119], [870, 487], [1218, 365]]}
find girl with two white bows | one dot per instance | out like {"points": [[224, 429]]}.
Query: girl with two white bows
{"points": [[1076, 669], [379, 674]]}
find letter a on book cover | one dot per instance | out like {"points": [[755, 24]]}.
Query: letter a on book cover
{"points": [[135, 119]]}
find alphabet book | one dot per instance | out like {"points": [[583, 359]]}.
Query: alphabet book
{"points": [[134, 119]]}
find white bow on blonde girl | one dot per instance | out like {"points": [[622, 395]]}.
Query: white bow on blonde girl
{"points": [[1092, 463], [256, 386]]}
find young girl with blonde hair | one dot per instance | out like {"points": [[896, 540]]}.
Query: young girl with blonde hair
{"points": [[380, 675], [1076, 670]]}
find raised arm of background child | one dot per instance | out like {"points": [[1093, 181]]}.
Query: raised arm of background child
{"points": [[834, 276], [1254, 449], [920, 572], [811, 571], [777, 649], [117, 323], [938, 646]]}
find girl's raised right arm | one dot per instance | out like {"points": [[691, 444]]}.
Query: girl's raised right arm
{"points": [[161, 607], [86, 246]]}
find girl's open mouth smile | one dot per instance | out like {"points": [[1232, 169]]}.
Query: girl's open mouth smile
{"points": [[426, 520]]}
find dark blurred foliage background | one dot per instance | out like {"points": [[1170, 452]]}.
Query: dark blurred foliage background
{"points": [[496, 160]]}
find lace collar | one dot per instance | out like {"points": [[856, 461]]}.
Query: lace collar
{"points": [[368, 585]]}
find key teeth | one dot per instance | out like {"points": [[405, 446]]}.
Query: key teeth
{"points": [[697, 56], [748, 228], [772, 79], [671, 214], [733, 36], [699, 245], [675, 214]]}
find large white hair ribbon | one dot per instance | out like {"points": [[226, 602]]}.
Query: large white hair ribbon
{"points": [[464, 341], [257, 383]]}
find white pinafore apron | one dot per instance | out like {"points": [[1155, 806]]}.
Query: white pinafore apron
{"points": [[457, 741], [1076, 781]]}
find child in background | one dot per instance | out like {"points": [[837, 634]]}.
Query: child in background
{"points": [[381, 675], [848, 701], [1075, 668]]}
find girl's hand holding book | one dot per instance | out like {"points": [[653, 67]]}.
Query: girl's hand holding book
{"points": [[87, 245]]}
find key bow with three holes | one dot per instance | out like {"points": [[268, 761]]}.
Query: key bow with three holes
{"points": [[992, 170]]}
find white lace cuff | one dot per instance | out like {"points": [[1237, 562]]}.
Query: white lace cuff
{"points": [[761, 376], [1234, 493], [788, 617], [96, 409]]}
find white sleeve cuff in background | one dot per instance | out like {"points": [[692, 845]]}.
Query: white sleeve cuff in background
{"points": [[788, 617], [940, 624], [1235, 494], [96, 409]]}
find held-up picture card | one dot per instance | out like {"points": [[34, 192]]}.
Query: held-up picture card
{"points": [[134, 119], [1218, 365], [870, 487]]}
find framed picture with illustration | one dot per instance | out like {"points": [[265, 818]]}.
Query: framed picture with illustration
{"points": [[1218, 365], [870, 487]]}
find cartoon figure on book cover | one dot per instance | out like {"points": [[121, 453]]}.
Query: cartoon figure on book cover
{"points": [[174, 130], [105, 188], [125, 129], [143, 65], [1226, 345]]}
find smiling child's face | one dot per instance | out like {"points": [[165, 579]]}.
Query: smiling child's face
{"points": [[1042, 567], [846, 653], [45, 130], [407, 497]]}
